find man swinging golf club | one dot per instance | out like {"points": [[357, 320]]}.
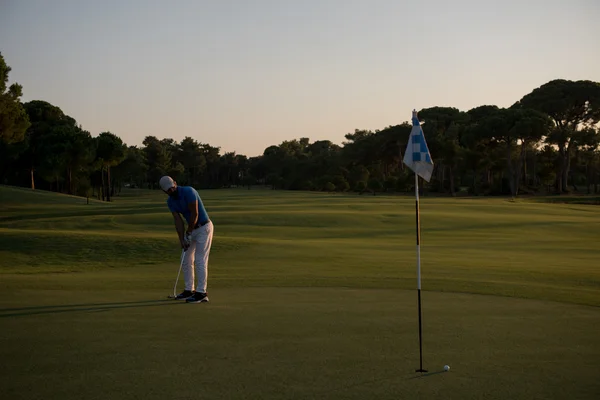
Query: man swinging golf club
{"points": [[195, 241]]}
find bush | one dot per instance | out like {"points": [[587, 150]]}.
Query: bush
{"points": [[391, 183], [84, 188], [329, 187], [301, 184], [375, 185], [405, 183], [341, 184], [360, 186]]}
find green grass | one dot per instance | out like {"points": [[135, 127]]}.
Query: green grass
{"points": [[312, 296], [570, 199]]}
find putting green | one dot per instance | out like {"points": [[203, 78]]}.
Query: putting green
{"points": [[328, 343], [312, 296]]}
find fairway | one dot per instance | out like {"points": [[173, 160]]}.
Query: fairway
{"points": [[312, 296]]}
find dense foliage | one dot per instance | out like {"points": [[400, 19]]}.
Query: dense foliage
{"points": [[547, 142]]}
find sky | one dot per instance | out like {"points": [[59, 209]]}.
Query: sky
{"points": [[245, 75]]}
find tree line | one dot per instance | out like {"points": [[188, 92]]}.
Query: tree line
{"points": [[546, 142]]}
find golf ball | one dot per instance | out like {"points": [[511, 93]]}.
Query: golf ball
{"points": [[446, 367]]}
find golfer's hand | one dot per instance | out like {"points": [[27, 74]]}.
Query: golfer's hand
{"points": [[187, 240], [184, 245]]}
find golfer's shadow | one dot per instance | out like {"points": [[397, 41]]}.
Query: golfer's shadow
{"points": [[91, 307]]}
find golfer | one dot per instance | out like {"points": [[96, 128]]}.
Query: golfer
{"points": [[195, 240]]}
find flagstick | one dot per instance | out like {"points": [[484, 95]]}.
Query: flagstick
{"points": [[419, 272]]}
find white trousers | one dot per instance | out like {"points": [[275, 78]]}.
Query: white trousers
{"points": [[195, 260]]}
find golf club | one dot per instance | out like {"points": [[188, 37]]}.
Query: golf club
{"points": [[174, 296]]}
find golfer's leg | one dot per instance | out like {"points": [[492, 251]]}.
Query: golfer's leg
{"points": [[203, 243], [188, 267]]}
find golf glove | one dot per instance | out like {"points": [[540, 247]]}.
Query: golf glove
{"points": [[188, 239]]}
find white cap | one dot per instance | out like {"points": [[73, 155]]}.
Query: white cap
{"points": [[166, 183]]}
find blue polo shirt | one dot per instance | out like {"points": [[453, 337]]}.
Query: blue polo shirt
{"points": [[187, 194]]}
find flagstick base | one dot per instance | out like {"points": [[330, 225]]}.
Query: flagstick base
{"points": [[421, 370]]}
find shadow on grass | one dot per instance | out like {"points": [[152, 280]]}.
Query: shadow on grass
{"points": [[428, 374], [24, 311], [377, 380]]}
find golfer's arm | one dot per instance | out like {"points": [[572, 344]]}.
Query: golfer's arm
{"points": [[179, 225], [193, 207]]}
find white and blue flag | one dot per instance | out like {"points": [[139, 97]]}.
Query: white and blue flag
{"points": [[417, 155]]}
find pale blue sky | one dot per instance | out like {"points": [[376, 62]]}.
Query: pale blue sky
{"points": [[244, 75]]}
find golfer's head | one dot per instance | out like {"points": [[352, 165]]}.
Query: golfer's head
{"points": [[168, 185]]}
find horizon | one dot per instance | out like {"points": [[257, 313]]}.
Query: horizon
{"points": [[243, 77]]}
